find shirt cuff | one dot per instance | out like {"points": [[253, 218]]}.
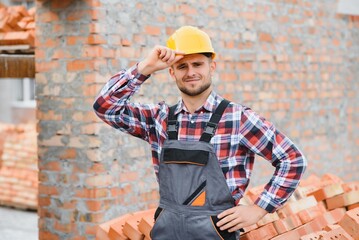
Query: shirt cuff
{"points": [[135, 76], [267, 203]]}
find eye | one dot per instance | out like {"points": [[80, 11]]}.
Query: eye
{"points": [[197, 64], [182, 66]]}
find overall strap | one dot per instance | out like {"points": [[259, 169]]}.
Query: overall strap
{"points": [[172, 125], [211, 126]]}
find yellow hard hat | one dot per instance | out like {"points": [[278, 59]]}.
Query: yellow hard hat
{"points": [[190, 40]]}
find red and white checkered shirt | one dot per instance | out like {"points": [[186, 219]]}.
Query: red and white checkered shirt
{"points": [[241, 134]]}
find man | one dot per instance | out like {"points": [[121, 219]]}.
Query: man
{"points": [[202, 148]]}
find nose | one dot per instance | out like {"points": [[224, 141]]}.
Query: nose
{"points": [[190, 71]]}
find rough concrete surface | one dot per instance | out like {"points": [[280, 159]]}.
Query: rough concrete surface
{"points": [[18, 224]]}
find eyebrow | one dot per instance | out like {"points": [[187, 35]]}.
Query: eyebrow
{"points": [[192, 63]]}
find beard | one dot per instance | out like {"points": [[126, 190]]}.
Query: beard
{"points": [[196, 91]]}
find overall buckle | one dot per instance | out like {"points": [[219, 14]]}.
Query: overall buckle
{"points": [[210, 128], [172, 126]]}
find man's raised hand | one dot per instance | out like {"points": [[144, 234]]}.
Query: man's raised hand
{"points": [[159, 58]]}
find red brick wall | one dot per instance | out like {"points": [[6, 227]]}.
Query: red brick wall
{"points": [[295, 62], [18, 166]]}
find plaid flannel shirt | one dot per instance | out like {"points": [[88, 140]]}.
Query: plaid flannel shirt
{"points": [[241, 134]]}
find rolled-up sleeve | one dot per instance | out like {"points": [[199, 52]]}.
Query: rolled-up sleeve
{"points": [[262, 138], [112, 105]]}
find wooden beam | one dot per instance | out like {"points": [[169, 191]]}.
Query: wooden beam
{"points": [[17, 66]]}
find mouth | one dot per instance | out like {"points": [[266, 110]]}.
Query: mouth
{"points": [[192, 80]]}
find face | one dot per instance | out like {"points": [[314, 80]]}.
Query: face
{"points": [[193, 74]]}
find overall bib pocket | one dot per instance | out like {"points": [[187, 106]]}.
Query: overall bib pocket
{"points": [[180, 156]]}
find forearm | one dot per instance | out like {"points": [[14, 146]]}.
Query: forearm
{"points": [[288, 171], [112, 105]]}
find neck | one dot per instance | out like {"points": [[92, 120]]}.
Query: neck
{"points": [[194, 102]]}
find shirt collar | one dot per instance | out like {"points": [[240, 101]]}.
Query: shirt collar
{"points": [[209, 105]]}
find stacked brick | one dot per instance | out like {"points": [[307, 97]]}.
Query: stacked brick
{"points": [[323, 208], [17, 25], [18, 166]]}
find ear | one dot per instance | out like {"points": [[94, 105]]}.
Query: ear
{"points": [[212, 67], [172, 72]]}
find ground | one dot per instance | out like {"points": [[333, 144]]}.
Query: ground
{"points": [[18, 224]]}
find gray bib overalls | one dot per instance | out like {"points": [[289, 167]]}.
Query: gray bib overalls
{"points": [[193, 190]]}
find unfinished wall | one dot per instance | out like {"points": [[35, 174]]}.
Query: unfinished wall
{"points": [[295, 62]]}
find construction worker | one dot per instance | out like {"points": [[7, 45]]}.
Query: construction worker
{"points": [[203, 147]]}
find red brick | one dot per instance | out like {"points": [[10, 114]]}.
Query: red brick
{"points": [[268, 218], [30, 25], [291, 208], [46, 66], [328, 192], [331, 177], [64, 227], [308, 228], [97, 217], [250, 228], [291, 235], [80, 65], [61, 54], [130, 228], [146, 223], [4, 27], [328, 218], [287, 224], [115, 231], [94, 205], [77, 15], [265, 37], [330, 227], [264, 233], [44, 235], [95, 39], [352, 206], [48, 43], [22, 24], [70, 153], [73, 40], [13, 19], [351, 186], [152, 30], [104, 228], [47, 16], [187, 10], [309, 214], [92, 193], [14, 38], [61, 4], [350, 223], [337, 233], [19, 9], [98, 180], [97, 51], [125, 42], [343, 200], [313, 236]]}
